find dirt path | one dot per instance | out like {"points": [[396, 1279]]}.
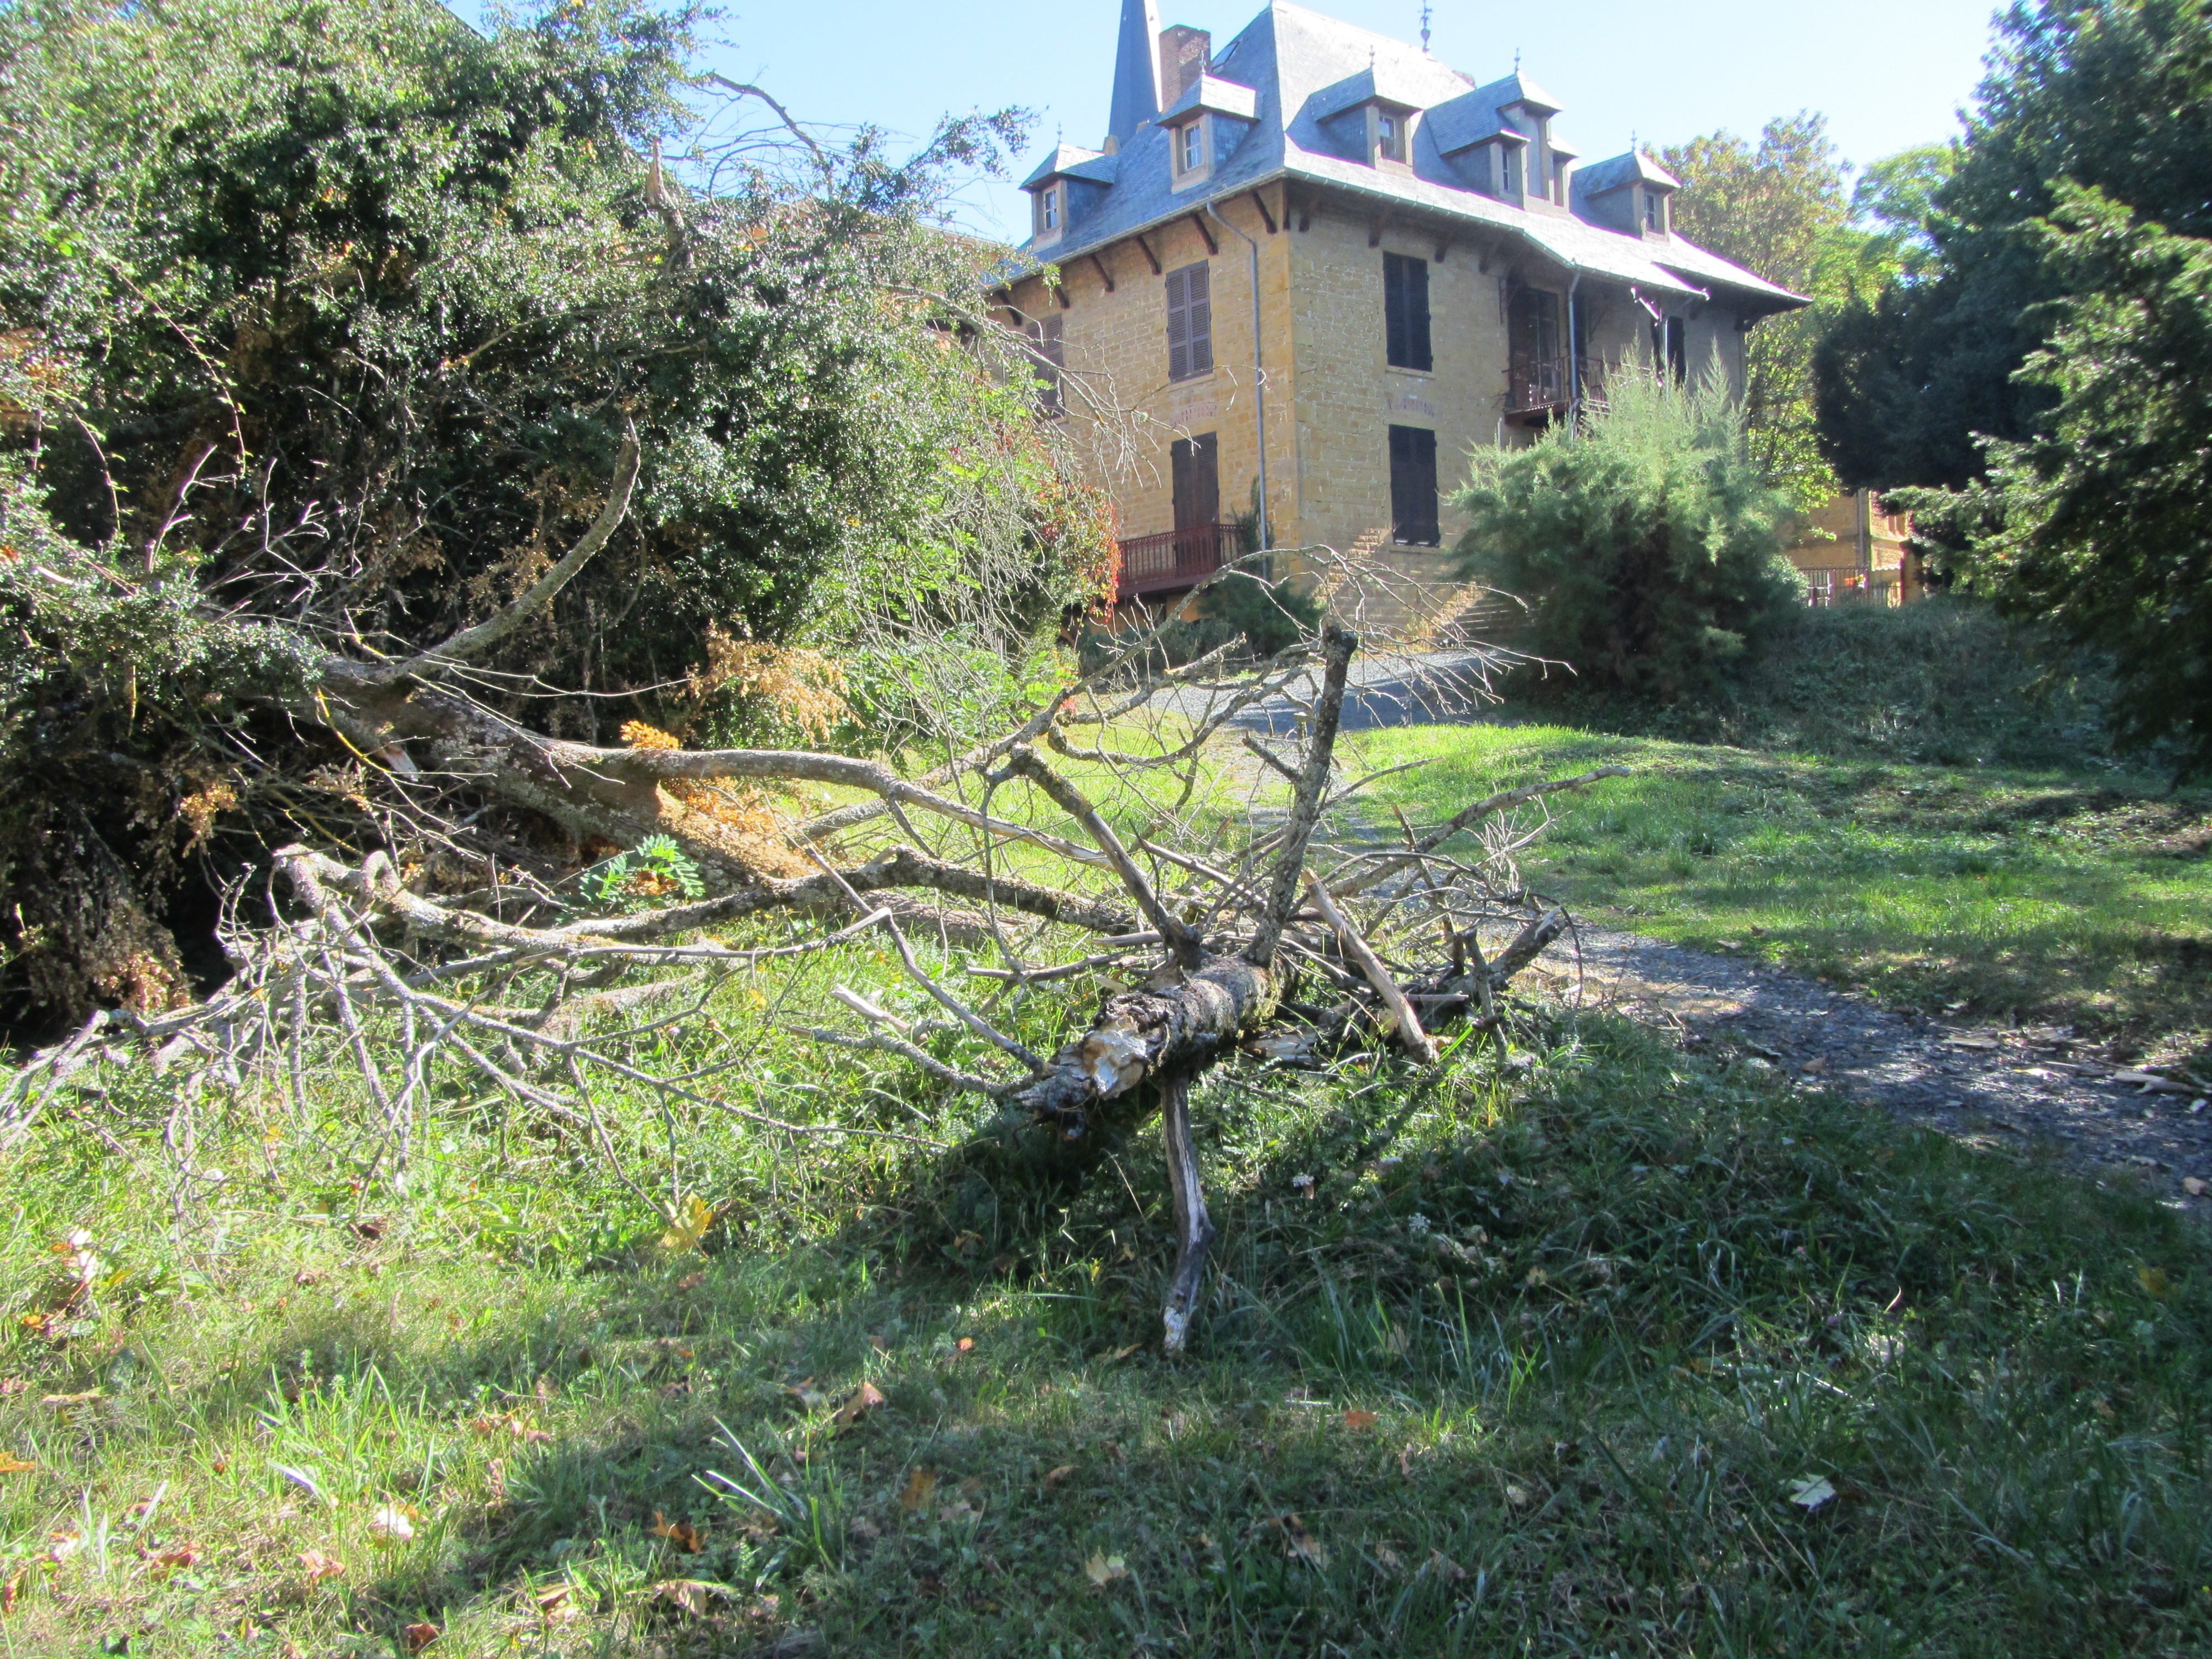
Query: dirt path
{"points": [[2037, 1087]]}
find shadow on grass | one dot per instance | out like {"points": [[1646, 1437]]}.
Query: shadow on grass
{"points": [[1564, 1366]]}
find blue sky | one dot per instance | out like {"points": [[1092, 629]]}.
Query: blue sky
{"points": [[1888, 74]]}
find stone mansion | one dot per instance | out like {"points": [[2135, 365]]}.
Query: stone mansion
{"points": [[1326, 267]]}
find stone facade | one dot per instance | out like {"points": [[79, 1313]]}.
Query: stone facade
{"points": [[1129, 216]]}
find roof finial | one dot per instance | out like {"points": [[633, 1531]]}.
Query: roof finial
{"points": [[1425, 11]]}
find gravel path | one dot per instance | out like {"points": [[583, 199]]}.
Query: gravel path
{"points": [[2037, 1087]]}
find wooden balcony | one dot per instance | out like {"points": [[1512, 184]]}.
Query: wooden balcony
{"points": [[1177, 559]]}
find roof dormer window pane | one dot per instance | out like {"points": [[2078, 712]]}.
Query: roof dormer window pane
{"points": [[1390, 137], [1190, 146], [1655, 211], [1050, 206]]}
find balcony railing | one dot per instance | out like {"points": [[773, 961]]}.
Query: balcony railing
{"points": [[1179, 558], [1537, 384], [1826, 585]]}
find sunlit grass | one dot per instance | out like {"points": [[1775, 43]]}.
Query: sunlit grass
{"points": [[2043, 895]]}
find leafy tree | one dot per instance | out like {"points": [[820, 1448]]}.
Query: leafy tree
{"points": [[320, 327], [1648, 541], [2035, 374], [2115, 94], [1777, 208], [2103, 518]]}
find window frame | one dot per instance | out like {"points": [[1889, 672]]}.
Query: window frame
{"points": [[1654, 210], [1048, 212], [1390, 137], [1406, 334], [1195, 312], [1049, 335], [1190, 146]]}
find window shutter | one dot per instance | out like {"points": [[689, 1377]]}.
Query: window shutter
{"points": [[1190, 323], [1413, 487], [1405, 312]]}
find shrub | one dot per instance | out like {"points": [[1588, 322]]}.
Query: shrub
{"points": [[1647, 540]]}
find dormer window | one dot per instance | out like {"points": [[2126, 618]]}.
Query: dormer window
{"points": [[1390, 137], [1511, 159], [1190, 146], [1655, 211], [1049, 207]]}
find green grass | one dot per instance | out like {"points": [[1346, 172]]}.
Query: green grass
{"points": [[1537, 1367], [1990, 892]]}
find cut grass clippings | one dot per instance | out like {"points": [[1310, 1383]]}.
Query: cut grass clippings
{"points": [[1600, 1350], [1982, 892]]}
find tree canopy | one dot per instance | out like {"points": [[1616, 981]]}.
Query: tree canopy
{"points": [[323, 327], [1778, 207], [2032, 367]]}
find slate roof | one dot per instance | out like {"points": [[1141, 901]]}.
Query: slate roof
{"points": [[1211, 93], [1299, 66], [1635, 167]]}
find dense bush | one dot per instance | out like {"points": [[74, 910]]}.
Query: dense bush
{"points": [[320, 326], [1647, 541]]}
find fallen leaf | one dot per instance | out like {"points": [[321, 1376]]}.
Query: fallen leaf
{"points": [[60, 1545], [1406, 1462], [864, 1398], [1815, 1065], [967, 1345], [1386, 1558], [1445, 1568], [84, 1399], [1060, 1474], [918, 1487], [319, 1566], [12, 1386], [176, 1560], [1300, 1544], [2154, 1282], [692, 1594], [1123, 1353], [687, 1227], [1810, 1492], [390, 1526], [556, 1605], [416, 1637], [1102, 1569], [369, 1232], [11, 1464], [690, 1281], [1360, 1419], [1518, 1496], [2195, 1188], [681, 1534]]}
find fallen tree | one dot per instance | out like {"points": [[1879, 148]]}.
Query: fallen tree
{"points": [[1284, 919]]}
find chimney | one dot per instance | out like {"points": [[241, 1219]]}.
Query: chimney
{"points": [[1184, 54]]}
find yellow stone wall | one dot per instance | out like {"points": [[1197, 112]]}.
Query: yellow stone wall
{"points": [[1331, 396]]}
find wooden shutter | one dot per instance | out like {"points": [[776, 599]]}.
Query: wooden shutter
{"points": [[1190, 323], [1413, 487], [1405, 312]]}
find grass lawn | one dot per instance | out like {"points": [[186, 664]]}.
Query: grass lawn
{"points": [[1603, 1350], [1985, 891]]}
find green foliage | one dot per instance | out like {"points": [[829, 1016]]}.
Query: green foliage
{"points": [[654, 867], [1648, 541], [1776, 209], [2103, 519], [2039, 375], [327, 321], [2115, 96]]}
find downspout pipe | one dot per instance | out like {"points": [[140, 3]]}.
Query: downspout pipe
{"points": [[1259, 377], [1574, 360]]}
